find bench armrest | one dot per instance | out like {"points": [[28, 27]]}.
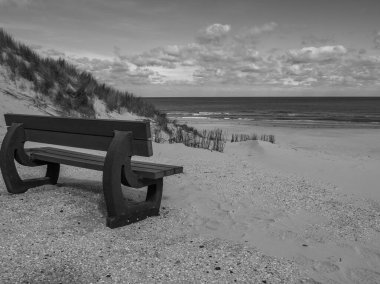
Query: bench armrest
{"points": [[121, 149], [14, 142]]}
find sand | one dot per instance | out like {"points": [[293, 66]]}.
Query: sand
{"points": [[346, 155], [303, 210], [55, 234]]}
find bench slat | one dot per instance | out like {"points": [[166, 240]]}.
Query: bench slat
{"points": [[95, 162], [101, 158], [153, 171], [77, 162], [139, 147], [68, 153], [100, 127]]}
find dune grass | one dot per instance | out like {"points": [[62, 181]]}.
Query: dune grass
{"points": [[269, 138], [214, 140], [244, 137], [70, 89]]}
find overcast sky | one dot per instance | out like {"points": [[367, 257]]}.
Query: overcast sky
{"points": [[203, 47]]}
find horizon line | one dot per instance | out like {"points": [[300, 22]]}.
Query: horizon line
{"points": [[361, 97]]}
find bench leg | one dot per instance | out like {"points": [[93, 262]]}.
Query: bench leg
{"points": [[154, 194], [137, 212], [119, 212], [52, 172], [11, 150]]}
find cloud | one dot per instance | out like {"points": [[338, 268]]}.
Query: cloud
{"points": [[222, 56], [162, 56], [53, 53], [118, 72], [262, 29], [214, 56], [214, 34], [209, 65], [118, 54], [363, 69], [251, 36], [349, 68], [316, 54], [136, 76]]}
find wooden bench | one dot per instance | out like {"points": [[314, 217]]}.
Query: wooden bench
{"points": [[121, 139]]}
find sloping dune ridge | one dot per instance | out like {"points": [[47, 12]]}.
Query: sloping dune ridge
{"points": [[251, 214]]}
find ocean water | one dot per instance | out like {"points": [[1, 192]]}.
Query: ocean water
{"points": [[359, 110]]}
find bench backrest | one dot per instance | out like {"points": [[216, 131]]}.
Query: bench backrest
{"points": [[93, 134]]}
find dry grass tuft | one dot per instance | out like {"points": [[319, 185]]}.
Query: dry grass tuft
{"points": [[244, 137], [213, 140]]}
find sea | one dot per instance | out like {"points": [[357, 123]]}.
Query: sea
{"points": [[363, 111]]}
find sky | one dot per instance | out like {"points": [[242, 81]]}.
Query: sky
{"points": [[210, 48]]}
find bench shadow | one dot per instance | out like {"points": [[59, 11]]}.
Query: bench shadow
{"points": [[81, 186]]}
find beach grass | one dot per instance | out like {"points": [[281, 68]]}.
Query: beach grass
{"points": [[214, 140], [245, 137], [269, 138]]}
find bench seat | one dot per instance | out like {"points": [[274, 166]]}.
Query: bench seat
{"points": [[95, 162]]}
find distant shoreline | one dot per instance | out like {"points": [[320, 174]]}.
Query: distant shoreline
{"points": [[198, 121], [290, 112], [273, 97]]}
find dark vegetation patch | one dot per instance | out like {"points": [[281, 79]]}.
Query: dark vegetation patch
{"points": [[244, 137]]}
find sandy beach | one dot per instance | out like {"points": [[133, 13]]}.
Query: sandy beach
{"points": [[303, 210]]}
